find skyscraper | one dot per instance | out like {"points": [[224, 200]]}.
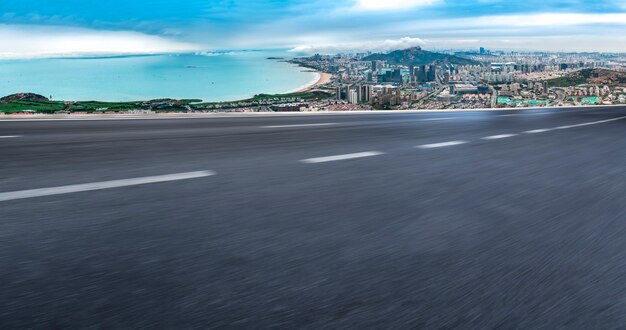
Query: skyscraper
{"points": [[422, 76], [432, 72], [353, 97]]}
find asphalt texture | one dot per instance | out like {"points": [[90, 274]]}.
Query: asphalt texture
{"points": [[523, 231]]}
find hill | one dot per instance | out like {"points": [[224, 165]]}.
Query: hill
{"points": [[590, 76], [418, 56], [24, 97]]}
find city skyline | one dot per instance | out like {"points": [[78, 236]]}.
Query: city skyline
{"points": [[34, 29]]}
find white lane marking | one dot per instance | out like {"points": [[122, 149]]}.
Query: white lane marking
{"points": [[9, 136], [497, 137], [535, 131], [590, 123], [509, 115], [441, 145], [341, 157], [22, 194], [434, 119], [300, 125]]}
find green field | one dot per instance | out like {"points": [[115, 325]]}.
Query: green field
{"points": [[156, 105], [37, 106], [265, 97]]}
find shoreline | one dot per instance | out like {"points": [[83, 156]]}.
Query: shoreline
{"points": [[323, 79], [285, 78]]}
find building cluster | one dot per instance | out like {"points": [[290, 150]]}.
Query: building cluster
{"points": [[501, 79]]}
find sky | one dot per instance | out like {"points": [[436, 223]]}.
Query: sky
{"points": [[40, 28]]}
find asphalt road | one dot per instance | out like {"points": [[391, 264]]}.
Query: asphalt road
{"points": [[470, 220]]}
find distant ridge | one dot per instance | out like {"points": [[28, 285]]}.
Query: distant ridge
{"points": [[418, 56]]}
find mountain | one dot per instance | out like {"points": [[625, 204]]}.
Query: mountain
{"points": [[418, 56], [589, 76]]}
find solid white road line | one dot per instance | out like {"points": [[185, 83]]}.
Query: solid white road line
{"points": [[590, 123], [342, 157], [535, 131], [300, 125], [9, 136], [497, 137], [441, 145], [13, 195]]}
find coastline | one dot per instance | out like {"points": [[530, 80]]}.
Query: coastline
{"points": [[323, 79], [138, 80]]}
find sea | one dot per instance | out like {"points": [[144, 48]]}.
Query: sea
{"points": [[208, 76]]}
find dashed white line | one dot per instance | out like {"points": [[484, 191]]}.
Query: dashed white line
{"points": [[441, 145], [509, 115], [9, 136], [300, 125], [497, 137], [590, 123], [23, 194], [573, 126], [435, 119], [535, 131], [341, 157]]}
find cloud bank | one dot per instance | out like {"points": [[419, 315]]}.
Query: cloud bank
{"points": [[308, 25], [374, 46], [20, 42]]}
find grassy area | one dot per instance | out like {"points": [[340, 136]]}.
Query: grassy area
{"points": [[589, 76], [156, 105], [261, 97], [265, 97], [38, 106], [92, 106], [567, 81]]}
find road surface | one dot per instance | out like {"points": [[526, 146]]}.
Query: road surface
{"points": [[495, 219]]}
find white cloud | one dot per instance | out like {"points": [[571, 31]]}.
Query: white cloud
{"points": [[375, 46], [552, 19], [46, 41], [504, 22], [379, 5]]}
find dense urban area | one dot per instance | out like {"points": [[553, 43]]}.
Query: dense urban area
{"points": [[404, 79]]}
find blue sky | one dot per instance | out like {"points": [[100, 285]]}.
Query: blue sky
{"points": [[136, 26]]}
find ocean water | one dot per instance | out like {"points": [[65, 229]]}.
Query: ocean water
{"points": [[208, 76]]}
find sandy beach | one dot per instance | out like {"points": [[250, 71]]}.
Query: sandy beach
{"points": [[324, 78]]}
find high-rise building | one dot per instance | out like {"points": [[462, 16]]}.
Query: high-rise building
{"points": [[366, 93], [353, 97], [422, 74], [390, 76], [432, 72]]}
